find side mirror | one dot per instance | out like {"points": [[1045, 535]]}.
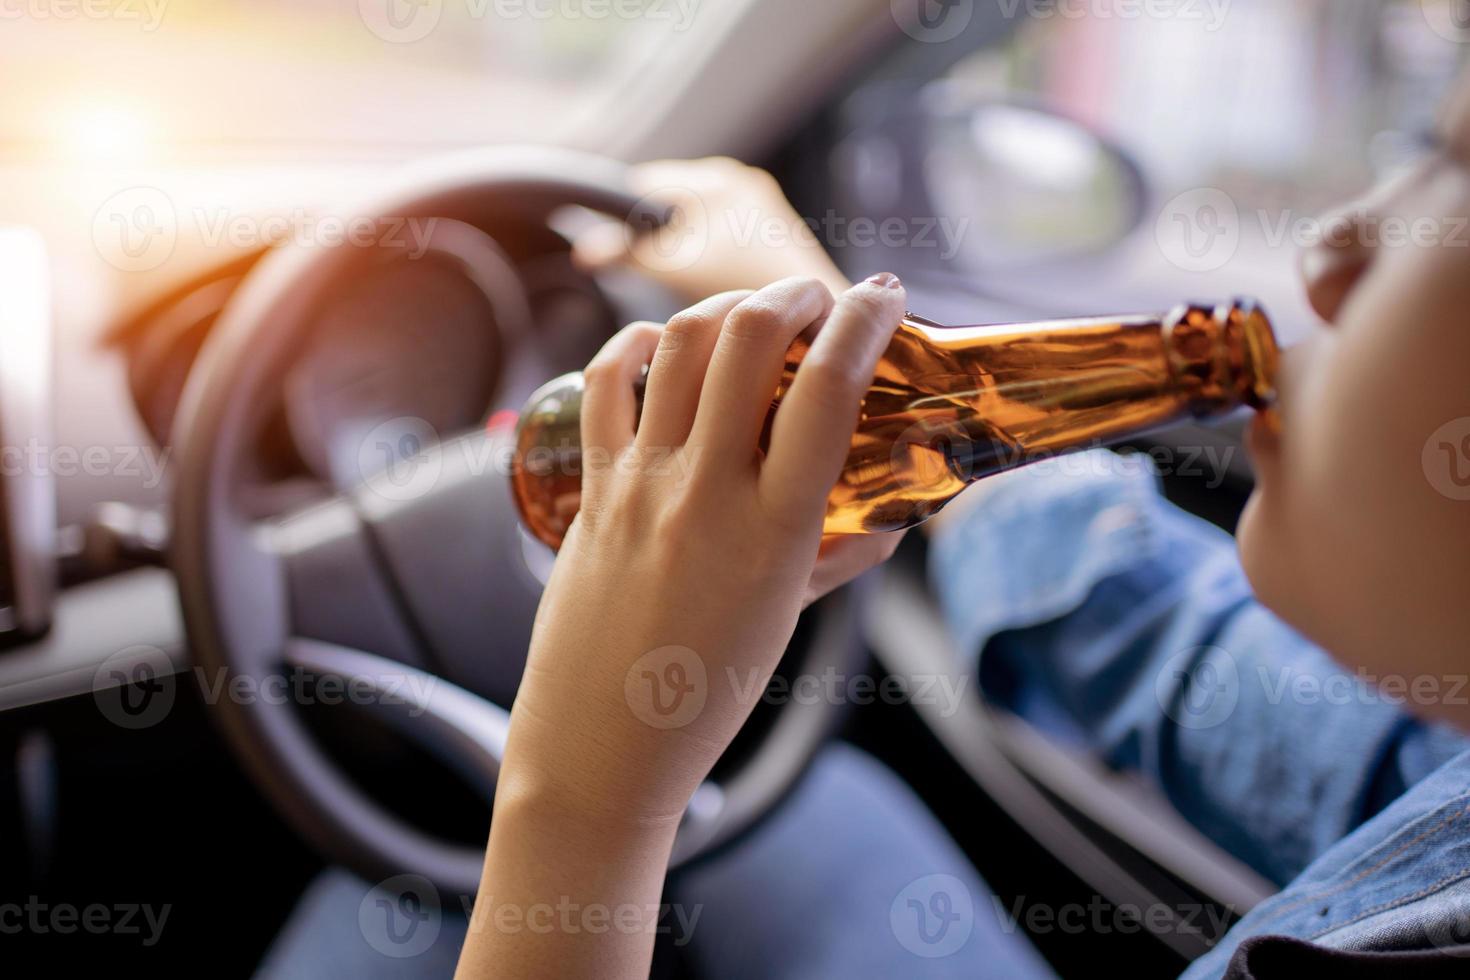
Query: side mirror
{"points": [[1015, 186], [1036, 187]]}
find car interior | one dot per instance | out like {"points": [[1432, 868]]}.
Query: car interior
{"points": [[227, 424]]}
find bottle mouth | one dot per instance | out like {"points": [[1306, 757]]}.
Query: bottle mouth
{"points": [[1223, 355], [1258, 353]]}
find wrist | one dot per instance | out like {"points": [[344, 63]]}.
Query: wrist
{"points": [[601, 765], [571, 804]]}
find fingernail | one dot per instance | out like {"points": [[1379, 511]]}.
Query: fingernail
{"points": [[886, 279]]}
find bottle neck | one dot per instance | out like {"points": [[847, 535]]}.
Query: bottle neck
{"points": [[1215, 358]]}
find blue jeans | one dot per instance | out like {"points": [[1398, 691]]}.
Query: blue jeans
{"points": [[1112, 619], [851, 877]]}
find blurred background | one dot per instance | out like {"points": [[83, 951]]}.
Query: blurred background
{"points": [[1037, 157], [1083, 158], [1328, 86], [1285, 105]]}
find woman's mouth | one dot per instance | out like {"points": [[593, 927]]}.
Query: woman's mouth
{"points": [[1263, 435]]}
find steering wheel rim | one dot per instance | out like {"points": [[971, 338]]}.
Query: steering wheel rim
{"points": [[236, 578]]}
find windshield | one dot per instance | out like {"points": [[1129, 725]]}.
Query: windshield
{"points": [[203, 78]]}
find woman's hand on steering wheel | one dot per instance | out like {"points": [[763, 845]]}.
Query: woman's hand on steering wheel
{"points": [[731, 228]]}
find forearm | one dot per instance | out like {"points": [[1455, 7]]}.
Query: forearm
{"points": [[586, 810], [665, 582], [565, 893]]}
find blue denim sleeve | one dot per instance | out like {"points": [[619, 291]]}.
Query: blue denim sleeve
{"points": [[1108, 616]]}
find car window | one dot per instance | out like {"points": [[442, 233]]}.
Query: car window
{"points": [[1270, 100], [1239, 122]]}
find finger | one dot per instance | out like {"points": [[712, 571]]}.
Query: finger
{"points": [[679, 366], [749, 358], [815, 423], [843, 558], [609, 398]]}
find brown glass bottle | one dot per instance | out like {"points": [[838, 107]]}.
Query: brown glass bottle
{"points": [[951, 405]]}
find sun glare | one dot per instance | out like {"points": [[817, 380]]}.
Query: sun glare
{"points": [[105, 134]]}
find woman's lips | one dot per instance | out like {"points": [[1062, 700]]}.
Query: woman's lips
{"points": [[1263, 435]]}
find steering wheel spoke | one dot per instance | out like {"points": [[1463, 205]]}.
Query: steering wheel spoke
{"points": [[337, 591], [457, 726]]}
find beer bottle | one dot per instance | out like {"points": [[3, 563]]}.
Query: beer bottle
{"points": [[952, 405]]}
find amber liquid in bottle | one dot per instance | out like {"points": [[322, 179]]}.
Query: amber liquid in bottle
{"points": [[951, 405]]}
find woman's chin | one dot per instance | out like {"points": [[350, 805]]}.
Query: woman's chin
{"points": [[1261, 549], [1247, 536]]}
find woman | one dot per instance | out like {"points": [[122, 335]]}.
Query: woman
{"points": [[1353, 537]]}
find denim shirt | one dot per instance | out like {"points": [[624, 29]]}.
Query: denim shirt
{"points": [[1112, 619]]}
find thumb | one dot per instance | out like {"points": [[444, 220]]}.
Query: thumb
{"points": [[843, 558]]}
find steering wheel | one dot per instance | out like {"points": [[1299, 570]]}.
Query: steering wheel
{"points": [[422, 600]]}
